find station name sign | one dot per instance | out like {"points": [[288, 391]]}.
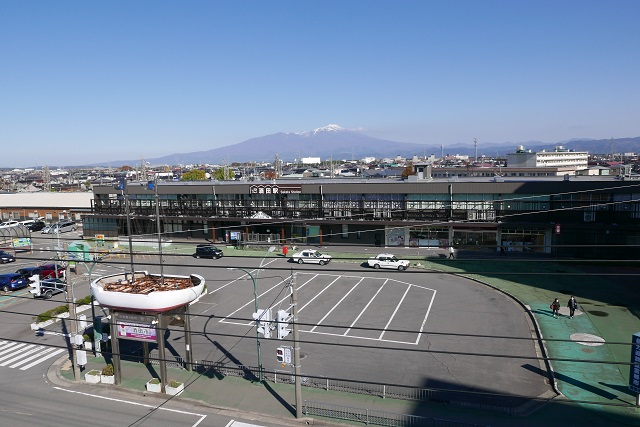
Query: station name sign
{"points": [[275, 189], [135, 327]]}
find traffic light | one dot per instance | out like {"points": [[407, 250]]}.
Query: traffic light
{"points": [[283, 324], [280, 355], [283, 355], [263, 322]]}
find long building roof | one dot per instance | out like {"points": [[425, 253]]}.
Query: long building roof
{"points": [[47, 199]]}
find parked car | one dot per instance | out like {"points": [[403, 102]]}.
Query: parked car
{"points": [[47, 228], [12, 282], [36, 226], [45, 271], [388, 261], [311, 256], [62, 227], [208, 251], [6, 257], [9, 223], [27, 222], [47, 288]]}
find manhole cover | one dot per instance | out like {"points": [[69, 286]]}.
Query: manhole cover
{"points": [[587, 339], [598, 313], [587, 350]]}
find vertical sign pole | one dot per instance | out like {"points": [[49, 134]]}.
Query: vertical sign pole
{"points": [[187, 339], [115, 347], [161, 351], [296, 348], [634, 368]]}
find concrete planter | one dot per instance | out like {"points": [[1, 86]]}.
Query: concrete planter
{"points": [[107, 379], [174, 388], [92, 377], [154, 386]]}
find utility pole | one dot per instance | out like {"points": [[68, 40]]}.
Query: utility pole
{"points": [[296, 347], [74, 325]]}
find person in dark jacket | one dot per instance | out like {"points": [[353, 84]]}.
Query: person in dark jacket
{"points": [[572, 304], [555, 307]]}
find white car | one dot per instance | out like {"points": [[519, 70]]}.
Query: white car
{"points": [[388, 261], [9, 223], [311, 256]]}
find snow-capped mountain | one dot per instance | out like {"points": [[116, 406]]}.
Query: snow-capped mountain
{"points": [[327, 128], [337, 143], [331, 141]]}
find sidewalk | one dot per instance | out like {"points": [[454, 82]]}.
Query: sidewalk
{"points": [[592, 393]]}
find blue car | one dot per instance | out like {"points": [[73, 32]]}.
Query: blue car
{"points": [[12, 282], [6, 257]]}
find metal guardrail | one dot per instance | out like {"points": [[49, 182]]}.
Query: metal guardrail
{"points": [[373, 417], [481, 401]]}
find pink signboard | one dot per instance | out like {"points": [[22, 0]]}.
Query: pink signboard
{"points": [[136, 331]]}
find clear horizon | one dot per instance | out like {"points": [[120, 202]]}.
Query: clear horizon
{"points": [[90, 82]]}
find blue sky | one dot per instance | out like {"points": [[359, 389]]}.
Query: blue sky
{"points": [[84, 82]]}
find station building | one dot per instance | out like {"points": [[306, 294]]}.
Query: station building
{"points": [[590, 216]]}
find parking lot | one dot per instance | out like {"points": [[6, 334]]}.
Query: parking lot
{"points": [[414, 327], [367, 307]]}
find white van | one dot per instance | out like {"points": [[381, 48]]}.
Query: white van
{"points": [[62, 227], [9, 223], [28, 222]]}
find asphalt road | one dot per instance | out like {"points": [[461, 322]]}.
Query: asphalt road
{"points": [[355, 323]]}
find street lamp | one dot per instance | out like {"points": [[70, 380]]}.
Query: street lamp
{"points": [[255, 303]]}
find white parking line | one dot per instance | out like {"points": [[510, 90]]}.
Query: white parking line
{"points": [[365, 307], [248, 303], [394, 312], [319, 293], [337, 304]]}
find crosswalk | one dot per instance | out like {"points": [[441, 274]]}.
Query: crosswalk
{"points": [[23, 355]]}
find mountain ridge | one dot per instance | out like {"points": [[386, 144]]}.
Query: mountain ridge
{"points": [[337, 143]]}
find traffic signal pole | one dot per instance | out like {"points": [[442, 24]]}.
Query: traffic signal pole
{"points": [[296, 347]]}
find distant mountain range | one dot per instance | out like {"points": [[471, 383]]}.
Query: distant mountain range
{"points": [[338, 143]]}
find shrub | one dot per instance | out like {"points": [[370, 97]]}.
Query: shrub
{"points": [[174, 383], [48, 315], [107, 370], [84, 301], [154, 381], [86, 337]]}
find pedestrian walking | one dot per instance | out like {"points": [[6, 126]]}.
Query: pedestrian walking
{"points": [[555, 308], [572, 304], [502, 252], [452, 252]]}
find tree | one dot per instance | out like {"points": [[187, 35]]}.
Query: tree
{"points": [[408, 170], [220, 175], [194, 175]]}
